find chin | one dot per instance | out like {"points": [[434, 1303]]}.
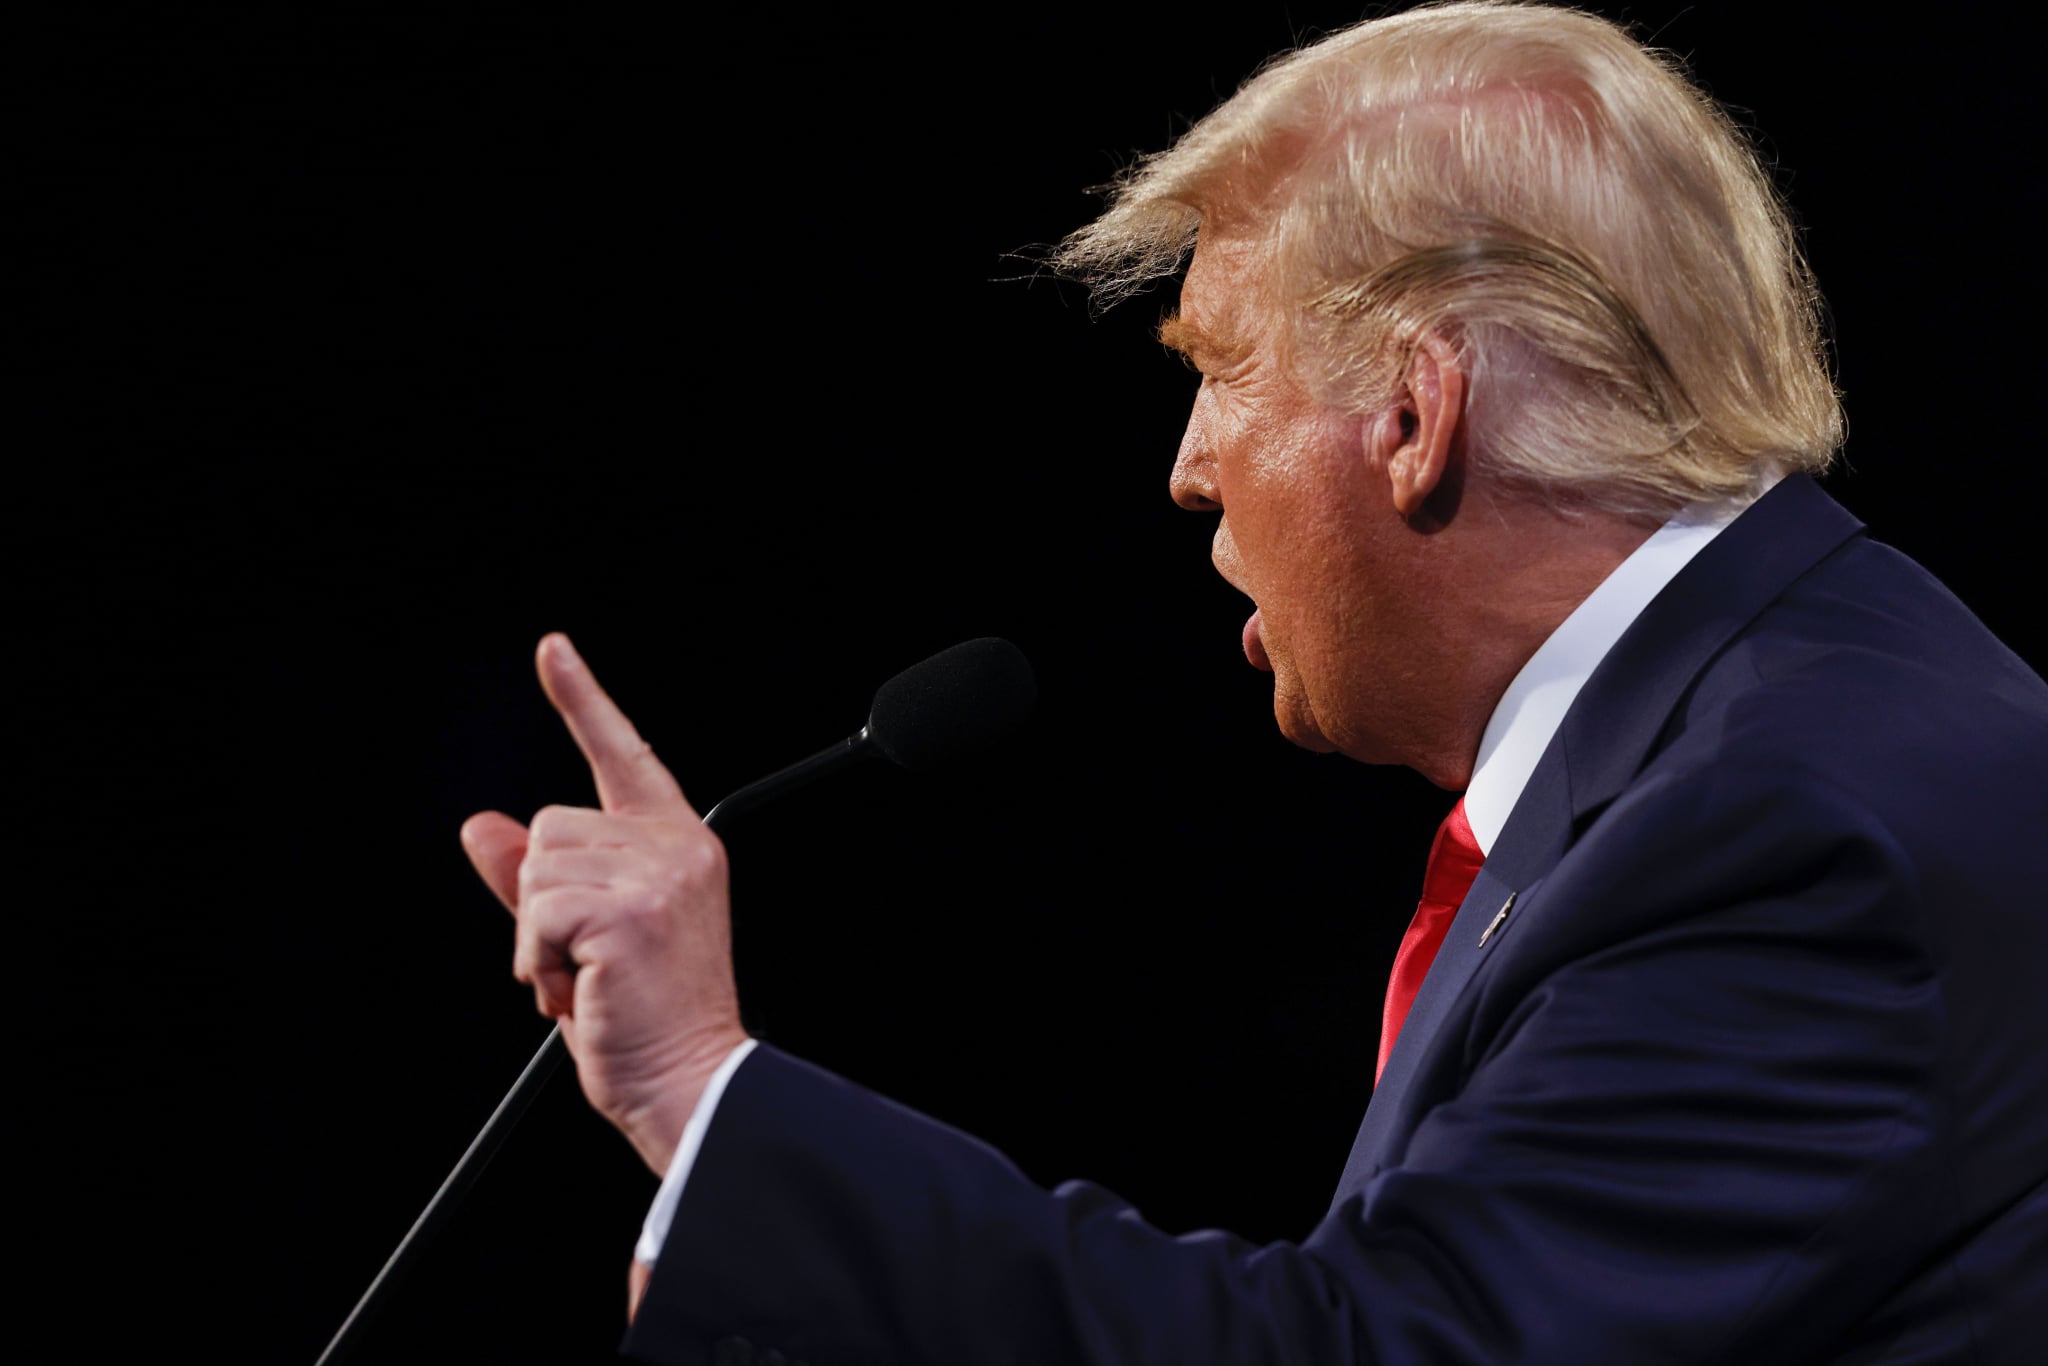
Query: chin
{"points": [[1312, 740], [1298, 723]]}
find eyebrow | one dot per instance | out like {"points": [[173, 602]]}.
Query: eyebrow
{"points": [[1190, 339], [1178, 334]]}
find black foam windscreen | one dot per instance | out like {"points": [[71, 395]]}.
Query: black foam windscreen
{"points": [[958, 701]]}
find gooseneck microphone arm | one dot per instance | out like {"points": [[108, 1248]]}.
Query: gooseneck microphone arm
{"points": [[848, 752], [925, 718]]}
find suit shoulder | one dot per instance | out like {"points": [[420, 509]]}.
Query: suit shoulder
{"points": [[1870, 678]]}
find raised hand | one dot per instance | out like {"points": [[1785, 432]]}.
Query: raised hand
{"points": [[624, 921]]}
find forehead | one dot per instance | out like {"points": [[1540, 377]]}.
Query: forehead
{"points": [[1223, 273], [1219, 298]]}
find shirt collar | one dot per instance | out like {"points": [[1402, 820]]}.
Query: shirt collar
{"points": [[1534, 705]]}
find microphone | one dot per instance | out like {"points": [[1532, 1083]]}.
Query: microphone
{"points": [[927, 719], [930, 717]]}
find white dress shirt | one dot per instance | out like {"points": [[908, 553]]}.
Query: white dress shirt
{"points": [[1530, 711], [654, 1232], [1520, 729]]}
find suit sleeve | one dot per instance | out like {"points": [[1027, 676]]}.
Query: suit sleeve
{"points": [[1678, 1121]]}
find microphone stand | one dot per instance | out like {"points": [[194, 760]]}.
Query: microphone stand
{"points": [[505, 1118]]}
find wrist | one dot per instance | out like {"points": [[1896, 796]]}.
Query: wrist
{"points": [[655, 1125]]}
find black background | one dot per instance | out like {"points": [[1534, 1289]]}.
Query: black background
{"points": [[357, 352]]}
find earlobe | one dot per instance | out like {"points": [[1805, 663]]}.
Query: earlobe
{"points": [[1432, 405]]}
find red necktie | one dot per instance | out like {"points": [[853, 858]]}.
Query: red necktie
{"points": [[1454, 861]]}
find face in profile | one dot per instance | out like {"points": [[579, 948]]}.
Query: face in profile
{"points": [[1305, 521]]}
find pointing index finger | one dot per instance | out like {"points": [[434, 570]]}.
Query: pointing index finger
{"points": [[629, 776]]}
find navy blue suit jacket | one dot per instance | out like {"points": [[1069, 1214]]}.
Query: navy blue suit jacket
{"points": [[1755, 1068]]}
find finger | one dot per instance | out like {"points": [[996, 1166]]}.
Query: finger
{"points": [[543, 948], [629, 777], [554, 994], [576, 827], [496, 844], [551, 975], [599, 868]]}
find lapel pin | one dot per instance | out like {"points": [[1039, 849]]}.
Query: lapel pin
{"points": [[1498, 916]]}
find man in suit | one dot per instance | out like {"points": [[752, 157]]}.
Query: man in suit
{"points": [[1714, 1037]]}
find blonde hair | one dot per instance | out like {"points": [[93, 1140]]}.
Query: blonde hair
{"points": [[1591, 232]]}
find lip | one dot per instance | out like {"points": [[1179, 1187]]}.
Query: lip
{"points": [[1223, 555], [1255, 642]]}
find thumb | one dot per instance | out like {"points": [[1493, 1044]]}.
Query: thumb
{"points": [[496, 844]]}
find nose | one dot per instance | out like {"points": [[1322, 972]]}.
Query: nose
{"points": [[1193, 483]]}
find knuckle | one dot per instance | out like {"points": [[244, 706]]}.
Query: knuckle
{"points": [[704, 859], [537, 915], [681, 881], [540, 871], [642, 907], [694, 852], [550, 821]]}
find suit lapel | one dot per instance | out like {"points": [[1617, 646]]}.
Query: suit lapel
{"points": [[1534, 838], [1613, 725], [1605, 739]]}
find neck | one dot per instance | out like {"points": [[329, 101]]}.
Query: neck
{"points": [[1501, 578]]}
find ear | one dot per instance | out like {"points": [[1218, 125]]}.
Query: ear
{"points": [[1422, 424]]}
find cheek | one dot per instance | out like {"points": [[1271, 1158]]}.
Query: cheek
{"points": [[1290, 501], [1262, 504], [1286, 541]]}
